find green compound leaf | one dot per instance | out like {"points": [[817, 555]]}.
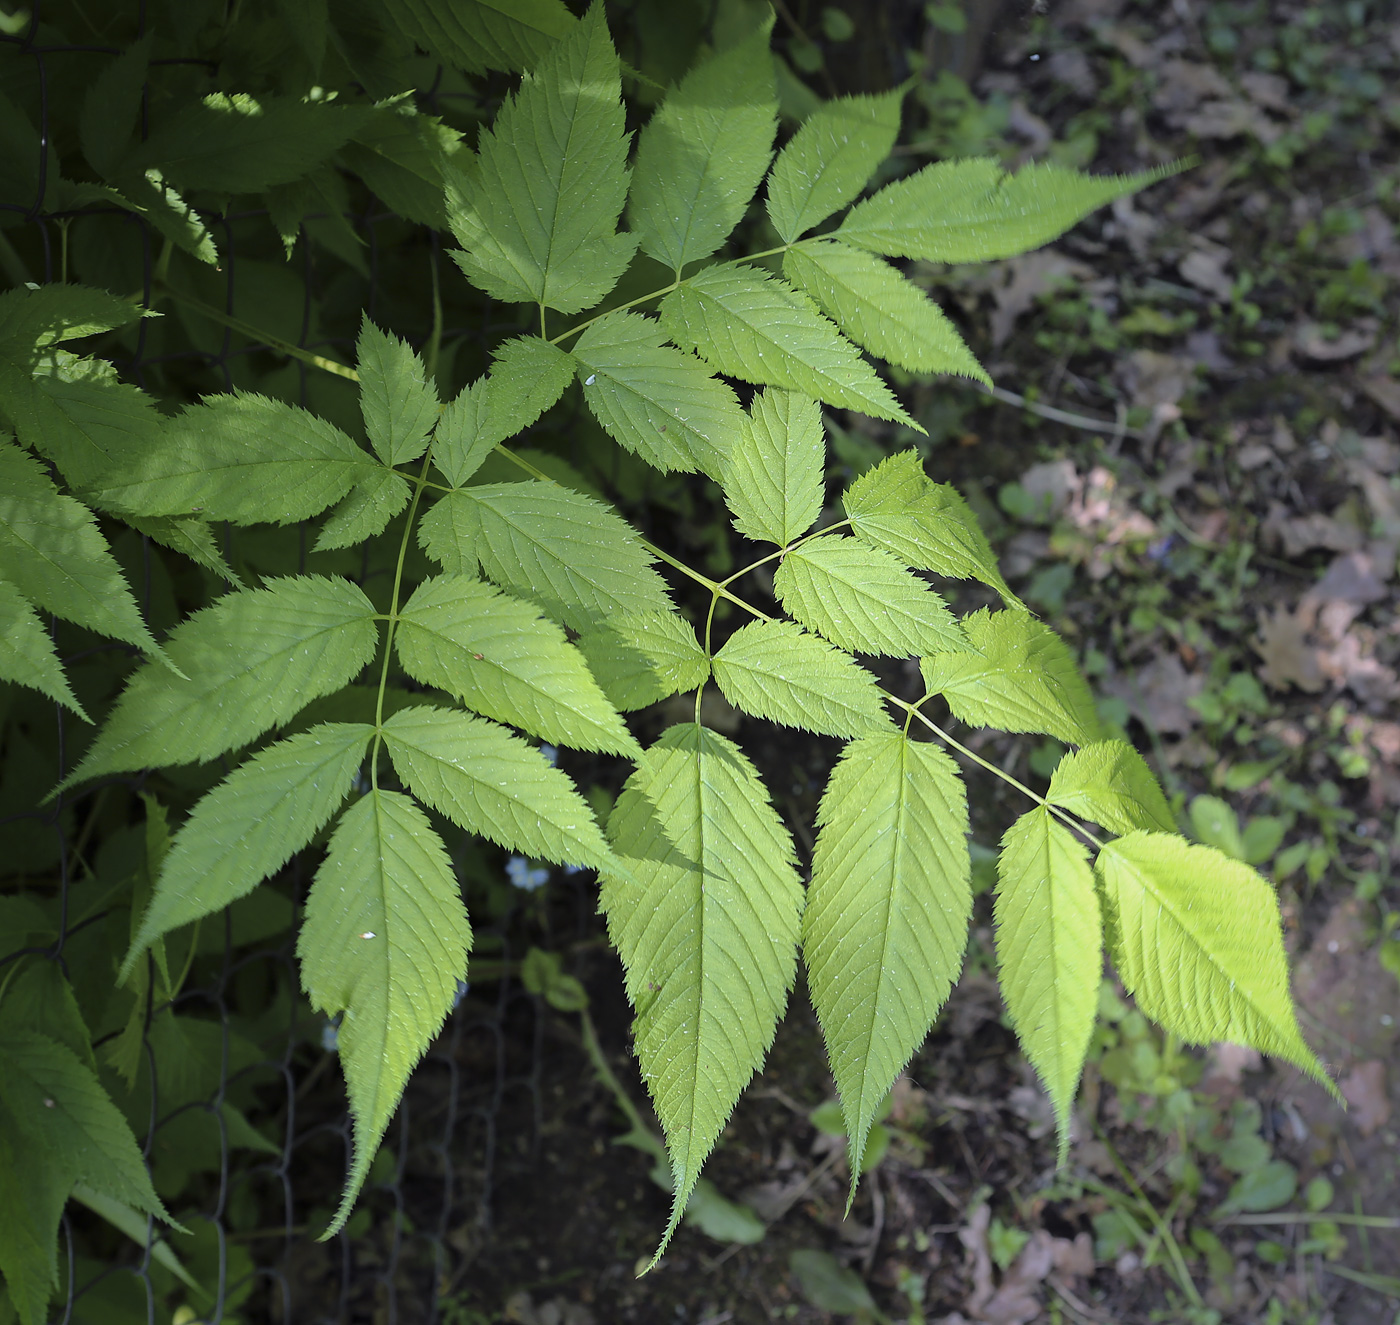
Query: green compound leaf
{"points": [[241, 458], [879, 309], [707, 930], [49, 314], [640, 658], [250, 662], [540, 224], [404, 157], [499, 656], [112, 108], [250, 825], [54, 554], [887, 914], [774, 669], [399, 404], [1109, 783], [1017, 675], [829, 160], [1197, 940], [526, 378], [488, 781], [660, 403], [772, 478], [863, 599], [1049, 943], [571, 554], [703, 153], [34, 1187], [366, 512], [973, 211], [385, 941], [27, 655], [474, 35], [755, 327]]}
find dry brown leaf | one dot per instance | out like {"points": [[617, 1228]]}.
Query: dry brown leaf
{"points": [[1364, 1090], [1289, 660], [1296, 534], [1158, 693], [1311, 343], [1031, 276], [1385, 391], [1204, 267]]}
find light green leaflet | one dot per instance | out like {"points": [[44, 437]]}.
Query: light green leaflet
{"points": [[54, 554], [483, 34], [863, 599], [887, 913], [242, 458], [404, 157], [550, 180], [772, 479], [499, 656], [707, 930], [365, 512], [659, 402], [385, 941], [250, 662], [642, 657], [399, 404], [774, 669], [1197, 940], [1049, 952], [488, 781], [829, 160], [972, 210], [571, 554], [702, 154], [27, 655], [1017, 675], [1111, 784], [527, 376], [755, 327], [35, 318], [250, 825], [879, 309]]}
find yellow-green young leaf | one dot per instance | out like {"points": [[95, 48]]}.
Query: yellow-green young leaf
{"points": [[704, 151], [527, 376], [640, 658], [772, 479], [659, 402], [887, 912], [706, 926], [1049, 943], [385, 941], [1197, 940], [366, 512], [863, 599], [755, 327], [972, 210], [242, 458], [488, 781], [829, 159], [571, 554], [473, 35], [879, 309], [27, 655], [250, 662], [404, 157], [539, 224], [399, 404], [927, 525], [250, 825], [499, 656], [1109, 783], [1017, 675], [774, 669]]}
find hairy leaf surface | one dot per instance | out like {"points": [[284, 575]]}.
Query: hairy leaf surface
{"points": [[772, 478], [756, 327], [774, 669], [488, 781], [499, 656], [640, 658], [399, 404], [887, 913], [1049, 943], [474, 35], [863, 599], [1197, 940], [27, 654], [707, 930], [385, 941], [1111, 784], [1018, 675], [703, 153]]}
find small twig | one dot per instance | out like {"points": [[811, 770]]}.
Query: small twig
{"points": [[1113, 427]]}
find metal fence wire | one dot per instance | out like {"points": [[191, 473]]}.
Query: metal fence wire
{"points": [[254, 1110]]}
